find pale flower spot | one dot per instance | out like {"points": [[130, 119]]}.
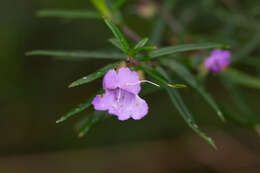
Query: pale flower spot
{"points": [[218, 61]]}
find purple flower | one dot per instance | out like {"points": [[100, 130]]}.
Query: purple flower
{"points": [[218, 60], [121, 96]]}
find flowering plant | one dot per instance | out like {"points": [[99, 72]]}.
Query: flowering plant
{"points": [[122, 79]]}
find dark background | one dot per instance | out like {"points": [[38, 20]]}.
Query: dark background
{"points": [[34, 95]]}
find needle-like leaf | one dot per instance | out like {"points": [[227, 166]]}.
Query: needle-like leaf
{"points": [[141, 43], [177, 101], [118, 34], [185, 74], [93, 76], [183, 48], [77, 55], [241, 78], [69, 14], [91, 121], [78, 109]]}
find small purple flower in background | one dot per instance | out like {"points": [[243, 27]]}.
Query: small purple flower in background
{"points": [[121, 96], [218, 60]]}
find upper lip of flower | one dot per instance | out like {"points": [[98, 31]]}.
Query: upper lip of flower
{"points": [[122, 79]]}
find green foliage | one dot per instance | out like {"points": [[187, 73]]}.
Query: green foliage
{"points": [[77, 55], [77, 109], [144, 56], [118, 4], [187, 116], [183, 48], [241, 78], [145, 48], [252, 44], [159, 25], [252, 119], [162, 77], [116, 43], [118, 34], [91, 121], [141, 43], [93, 76], [69, 14], [102, 7], [185, 74]]}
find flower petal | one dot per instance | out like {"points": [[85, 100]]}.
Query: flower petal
{"points": [[216, 52], [110, 80], [218, 60], [140, 108], [103, 102], [225, 59], [122, 104], [129, 80], [128, 105]]}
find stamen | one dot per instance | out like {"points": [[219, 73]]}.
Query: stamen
{"points": [[150, 82], [143, 81], [119, 95]]}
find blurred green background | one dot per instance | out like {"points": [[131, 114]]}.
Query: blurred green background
{"points": [[34, 95]]}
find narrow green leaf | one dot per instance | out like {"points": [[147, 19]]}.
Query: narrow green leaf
{"points": [[93, 76], [248, 48], [118, 4], [241, 78], [118, 34], [187, 116], [154, 74], [102, 7], [77, 55], [234, 117], [77, 109], [146, 48], [69, 14], [177, 101], [183, 48], [91, 121], [184, 111], [159, 24], [247, 116], [115, 43], [185, 74], [141, 43], [157, 33]]}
